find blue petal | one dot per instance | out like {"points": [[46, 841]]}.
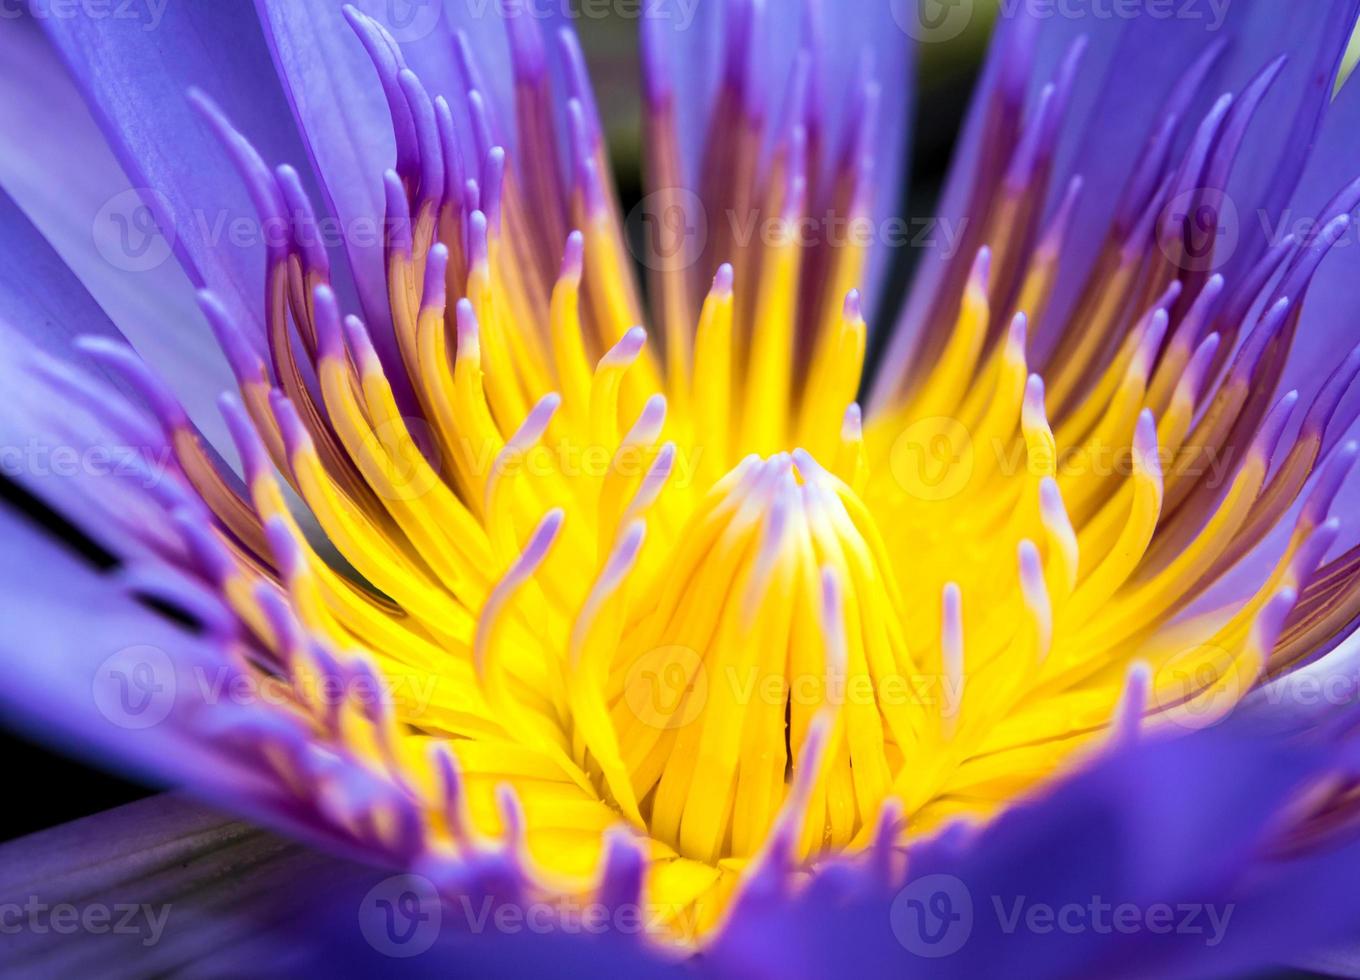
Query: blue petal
{"points": [[340, 110], [1330, 324], [841, 34], [1168, 822], [91, 670], [189, 889], [135, 74], [201, 893], [69, 632], [69, 437], [694, 38], [1132, 64], [1331, 314], [65, 179], [1338, 961], [67, 431], [849, 31], [1314, 38], [426, 30], [343, 114], [39, 295]]}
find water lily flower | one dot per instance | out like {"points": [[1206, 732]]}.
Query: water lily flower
{"points": [[734, 619]]}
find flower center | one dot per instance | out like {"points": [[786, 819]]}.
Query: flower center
{"points": [[775, 606], [632, 599]]}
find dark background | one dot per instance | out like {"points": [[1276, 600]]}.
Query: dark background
{"points": [[47, 789]]}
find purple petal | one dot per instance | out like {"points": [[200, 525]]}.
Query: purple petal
{"points": [[1142, 59], [845, 39], [201, 893], [342, 113], [73, 637], [187, 889], [1314, 39], [69, 435], [65, 179], [1177, 822], [846, 34], [1133, 69], [135, 75], [92, 670], [1342, 960], [40, 298], [1329, 325]]}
